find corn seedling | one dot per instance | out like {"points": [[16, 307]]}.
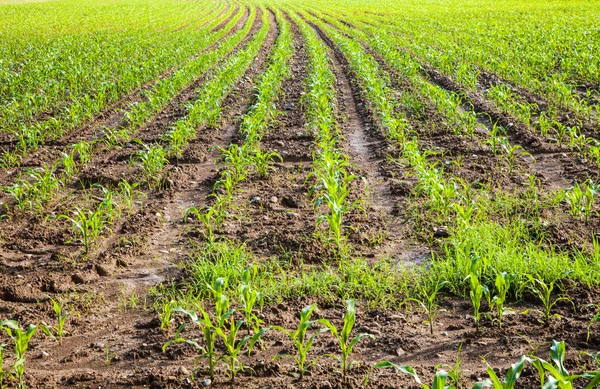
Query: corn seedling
{"points": [[476, 292], [61, 318], [389, 365], [228, 330], [454, 372], [428, 302], [502, 284], [21, 339], [302, 342], [511, 154], [580, 199], [512, 375], [544, 292], [208, 351], [250, 298], [87, 225], [211, 219], [556, 376], [263, 160], [151, 160], [167, 314], [344, 339]]}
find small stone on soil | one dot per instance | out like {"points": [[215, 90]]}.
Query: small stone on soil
{"points": [[102, 270], [273, 199], [206, 382], [183, 371]]}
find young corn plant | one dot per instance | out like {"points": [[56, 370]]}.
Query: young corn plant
{"points": [[301, 340], [238, 159], [211, 219], [87, 225], [544, 292], [556, 376], [151, 160], [228, 329], [262, 161], [250, 298], [428, 302], [344, 339], [581, 198], [21, 338], [61, 320], [166, 314], [477, 291], [511, 154], [454, 372], [207, 351], [333, 186], [512, 376], [503, 283]]}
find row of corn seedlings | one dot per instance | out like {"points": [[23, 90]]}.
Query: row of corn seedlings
{"points": [[330, 166], [153, 158], [421, 94], [223, 341], [31, 136], [240, 160], [449, 104]]}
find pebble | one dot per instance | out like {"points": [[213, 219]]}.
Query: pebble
{"points": [[273, 199], [206, 382], [444, 333], [368, 330], [255, 199], [102, 270], [44, 355], [400, 351], [292, 215], [183, 371]]}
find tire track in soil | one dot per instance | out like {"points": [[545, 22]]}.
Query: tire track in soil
{"points": [[134, 336], [286, 224], [367, 147]]}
